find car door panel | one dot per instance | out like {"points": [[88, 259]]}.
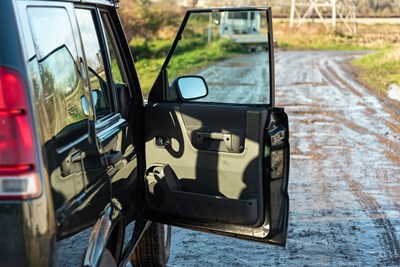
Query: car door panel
{"points": [[211, 128], [227, 185], [119, 155], [218, 188], [81, 160], [217, 150]]}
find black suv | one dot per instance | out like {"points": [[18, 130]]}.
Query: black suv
{"points": [[79, 148]]}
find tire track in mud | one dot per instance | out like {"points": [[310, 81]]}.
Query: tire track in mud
{"points": [[368, 203], [394, 127], [390, 145], [374, 211], [342, 81], [344, 179]]}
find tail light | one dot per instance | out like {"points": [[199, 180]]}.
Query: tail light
{"points": [[19, 177]]}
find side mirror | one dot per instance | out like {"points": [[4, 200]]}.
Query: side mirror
{"points": [[84, 103], [191, 87]]}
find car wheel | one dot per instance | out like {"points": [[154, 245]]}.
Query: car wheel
{"points": [[107, 259], [154, 247]]}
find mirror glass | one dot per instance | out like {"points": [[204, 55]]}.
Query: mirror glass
{"points": [[192, 87], [85, 105], [95, 97]]}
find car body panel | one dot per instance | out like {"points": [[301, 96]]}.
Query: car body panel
{"points": [[76, 170], [89, 169]]}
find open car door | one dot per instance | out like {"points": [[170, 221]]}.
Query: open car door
{"points": [[217, 151]]}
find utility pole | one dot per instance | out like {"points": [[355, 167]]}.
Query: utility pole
{"points": [[292, 9], [342, 10], [334, 15]]}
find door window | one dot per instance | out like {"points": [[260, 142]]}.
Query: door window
{"points": [[230, 51], [96, 63], [55, 74]]}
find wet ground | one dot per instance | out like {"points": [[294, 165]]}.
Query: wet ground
{"points": [[344, 176]]}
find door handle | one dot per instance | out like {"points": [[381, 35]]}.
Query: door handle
{"points": [[225, 137], [70, 161]]}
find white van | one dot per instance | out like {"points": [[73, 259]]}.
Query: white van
{"points": [[243, 28]]}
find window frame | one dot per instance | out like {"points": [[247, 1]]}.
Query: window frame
{"points": [[160, 90], [97, 23], [106, 27]]}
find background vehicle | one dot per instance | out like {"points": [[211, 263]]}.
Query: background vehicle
{"points": [[79, 149], [244, 28]]}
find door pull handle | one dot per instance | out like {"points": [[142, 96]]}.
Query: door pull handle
{"points": [[225, 137]]}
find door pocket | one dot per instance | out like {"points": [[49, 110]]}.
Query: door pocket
{"points": [[165, 195]]}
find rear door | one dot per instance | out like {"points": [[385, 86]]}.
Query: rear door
{"points": [[79, 184], [217, 151]]}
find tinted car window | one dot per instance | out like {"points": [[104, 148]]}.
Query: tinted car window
{"points": [[55, 75], [95, 62]]}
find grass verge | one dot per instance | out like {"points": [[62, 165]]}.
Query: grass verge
{"points": [[378, 70], [320, 42], [188, 60]]}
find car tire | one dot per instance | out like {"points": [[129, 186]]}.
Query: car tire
{"points": [[154, 247], [107, 259]]}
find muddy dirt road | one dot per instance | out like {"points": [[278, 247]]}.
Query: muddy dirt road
{"points": [[344, 177]]}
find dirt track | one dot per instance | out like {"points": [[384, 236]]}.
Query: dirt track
{"points": [[344, 177]]}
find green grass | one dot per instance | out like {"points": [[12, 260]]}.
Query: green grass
{"points": [[188, 59], [147, 71], [191, 61], [319, 42], [156, 49], [316, 36], [378, 70], [190, 56]]}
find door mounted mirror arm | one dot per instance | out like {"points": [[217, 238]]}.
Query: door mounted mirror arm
{"points": [[157, 92]]}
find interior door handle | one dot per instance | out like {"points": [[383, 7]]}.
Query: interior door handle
{"points": [[225, 137], [111, 158]]}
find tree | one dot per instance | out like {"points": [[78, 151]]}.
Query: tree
{"points": [[144, 18]]}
